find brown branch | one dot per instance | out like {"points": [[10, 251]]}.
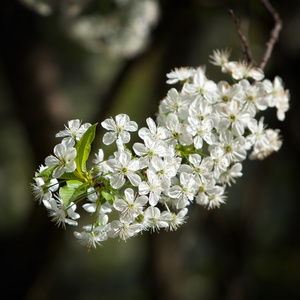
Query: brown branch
{"points": [[243, 39], [274, 33]]}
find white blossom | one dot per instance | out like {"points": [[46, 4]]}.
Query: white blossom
{"points": [[153, 219], [91, 237], [131, 206], [226, 93], [200, 85], [277, 96], [234, 148], [175, 103], [180, 74], [74, 131], [149, 149], [164, 169], [91, 207], [200, 130], [118, 129], [254, 96], [233, 117], [61, 214], [124, 229], [213, 197], [121, 166], [178, 130], [231, 174], [240, 70], [153, 187], [202, 168], [221, 162], [185, 191], [41, 190], [175, 220], [63, 159], [157, 132], [202, 110], [220, 58]]}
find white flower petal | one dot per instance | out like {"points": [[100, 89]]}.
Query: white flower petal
{"points": [[117, 181], [59, 171], [60, 150], [131, 126], [139, 149], [90, 207], [124, 136], [144, 188], [70, 167], [129, 195], [120, 205], [134, 179], [51, 161], [141, 201], [109, 138], [109, 124], [153, 199], [121, 120]]}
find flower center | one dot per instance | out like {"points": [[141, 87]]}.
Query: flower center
{"points": [[225, 98], [227, 149]]}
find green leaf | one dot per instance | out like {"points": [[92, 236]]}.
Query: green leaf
{"points": [[106, 196], [70, 176], [72, 191], [111, 201], [47, 173], [83, 148]]}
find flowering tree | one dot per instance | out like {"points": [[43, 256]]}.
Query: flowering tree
{"points": [[203, 132]]}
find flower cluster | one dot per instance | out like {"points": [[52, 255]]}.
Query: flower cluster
{"points": [[192, 152]]}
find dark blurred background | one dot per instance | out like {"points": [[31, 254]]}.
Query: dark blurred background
{"points": [[94, 59]]}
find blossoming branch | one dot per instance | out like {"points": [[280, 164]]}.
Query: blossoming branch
{"points": [[189, 155]]}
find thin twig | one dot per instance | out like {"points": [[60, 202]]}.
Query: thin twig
{"points": [[274, 33], [243, 39]]}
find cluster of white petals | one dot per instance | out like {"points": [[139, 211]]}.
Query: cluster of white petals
{"points": [[191, 154]]}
